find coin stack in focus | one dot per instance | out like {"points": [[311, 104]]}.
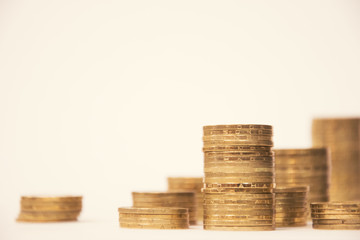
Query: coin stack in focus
{"points": [[154, 218], [336, 215], [239, 177], [291, 206], [304, 167], [189, 184], [342, 137], [49, 209], [167, 199]]}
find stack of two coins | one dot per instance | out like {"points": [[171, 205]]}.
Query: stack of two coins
{"points": [[342, 137], [167, 199], [304, 167], [189, 184], [336, 215], [239, 177], [49, 209], [154, 218], [291, 206]]}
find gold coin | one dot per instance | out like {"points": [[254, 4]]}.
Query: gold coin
{"points": [[337, 227], [238, 222], [237, 190], [238, 148], [239, 185], [154, 216], [237, 127], [300, 152], [336, 221], [238, 206], [242, 154], [153, 221], [240, 196], [242, 212], [283, 189], [163, 194], [336, 211], [154, 226], [238, 217], [48, 216], [242, 202], [249, 175], [237, 137], [211, 145], [216, 180], [291, 214], [239, 228], [234, 131], [51, 198], [332, 216], [348, 204], [281, 224], [53, 208], [135, 210]]}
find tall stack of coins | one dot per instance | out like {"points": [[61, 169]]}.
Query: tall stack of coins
{"points": [[49, 209], [189, 184], [291, 206], [239, 177], [154, 218], [167, 199], [342, 137], [304, 167], [336, 215]]}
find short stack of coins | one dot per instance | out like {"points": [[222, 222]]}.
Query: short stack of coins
{"points": [[49, 209], [342, 137], [304, 167], [167, 199], [154, 218], [336, 215], [291, 206], [239, 178], [189, 184]]}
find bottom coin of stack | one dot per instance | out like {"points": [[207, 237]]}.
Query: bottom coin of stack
{"points": [[291, 206], [154, 218], [50, 209], [336, 215], [167, 199]]}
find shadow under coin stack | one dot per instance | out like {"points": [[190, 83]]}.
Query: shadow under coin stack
{"points": [[154, 218], [50, 209], [167, 199], [291, 206], [189, 184], [342, 137], [239, 178], [304, 167], [336, 215]]}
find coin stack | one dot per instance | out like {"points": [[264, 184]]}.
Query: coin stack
{"points": [[167, 199], [304, 167], [49, 209], [189, 184], [336, 215], [239, 177], [342, 137], [291, 206], [154, 218]]}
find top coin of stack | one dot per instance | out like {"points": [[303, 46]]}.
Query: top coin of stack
{"points": [[304, 167], [336, 215], [154, 218], [239, 177], [49, 209], [167, 199], [189, 184], [342, 137]]}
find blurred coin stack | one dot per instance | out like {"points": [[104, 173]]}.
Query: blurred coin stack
{"points": [[304, 167], [50, 209], [167, 199], [336, 215], [342, 137], [291, 206], [189, 184], [154, 218], [239, 177]]}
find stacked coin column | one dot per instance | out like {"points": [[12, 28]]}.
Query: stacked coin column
{"points": [[167, 199], [189, 184], [291, 206], [239, 177], [342, 137], [304, 167]]}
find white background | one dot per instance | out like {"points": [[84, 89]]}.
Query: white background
{"points": [[101, 98]]}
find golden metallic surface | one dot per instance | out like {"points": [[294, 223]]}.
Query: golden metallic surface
{"points": [[300, 189], [154, 226], [335, 216], [336, 227], [342, 137], [154, 221], [162, 194], [336, 205], [238, 222], [238, 126], [135, 210], [238, 217], [154, 216], [336, 221], [282, 224], [239, 228]]}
